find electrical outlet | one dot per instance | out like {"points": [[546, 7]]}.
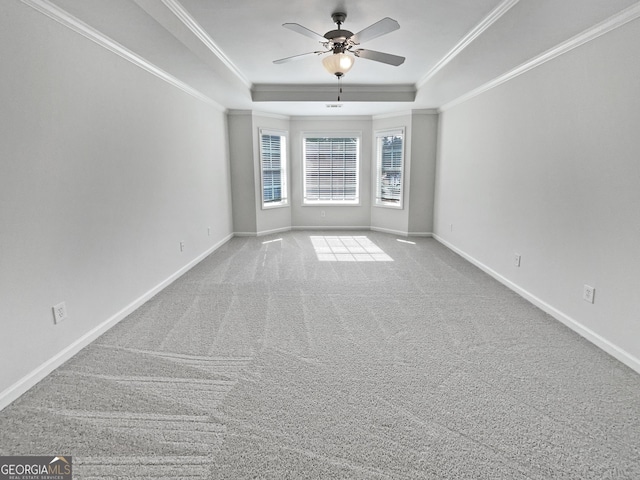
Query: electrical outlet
{"points": [[182, 246], [208, 231], [451, 227], [589, 293], [517, 259], [59, 312], [322, 213]]}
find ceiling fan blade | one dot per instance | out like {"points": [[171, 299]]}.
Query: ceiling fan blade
{"points": [[298, 57], [304, 31], [386, 25], [387, 58]]}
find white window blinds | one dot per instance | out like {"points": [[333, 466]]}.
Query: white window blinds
{"points": [[390, 163], [331, 169], [273, 168]]}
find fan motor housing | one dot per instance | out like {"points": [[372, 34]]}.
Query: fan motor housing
{"points": [[338, 36]]}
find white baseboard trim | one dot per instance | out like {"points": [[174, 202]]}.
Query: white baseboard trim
{"points": [[299, 228], [601, 342], [262, 232], [400, 233], [275, 230], [329, 227], [31, 379]]}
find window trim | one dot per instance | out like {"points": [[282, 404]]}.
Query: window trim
{"points": [[284, 177], [331, 134], [378, 135]]}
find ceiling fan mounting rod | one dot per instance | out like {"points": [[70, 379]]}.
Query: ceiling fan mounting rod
{"points": [[338, 18]]}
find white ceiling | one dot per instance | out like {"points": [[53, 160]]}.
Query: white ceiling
{"points": [[225, 48]]}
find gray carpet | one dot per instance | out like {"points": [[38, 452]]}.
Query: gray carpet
{"points": [[344, 356]]}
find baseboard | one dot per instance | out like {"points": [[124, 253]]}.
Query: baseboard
{"points": [[401, 233], [350, 228], [31, 379], [330, 227], [275, 230], [601, 342], [262, 232], [389, 231]]}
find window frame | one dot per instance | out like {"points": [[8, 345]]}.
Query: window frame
{"points": [[331, 135], [284, 163], [377, 190]]}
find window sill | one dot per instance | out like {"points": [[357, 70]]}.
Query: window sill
{"points": [[270, 206], [331, 204], [389, 205]]}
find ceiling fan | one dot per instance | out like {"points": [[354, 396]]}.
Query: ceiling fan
{"points": [[342, 44]]}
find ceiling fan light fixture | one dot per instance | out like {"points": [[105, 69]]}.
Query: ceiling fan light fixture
{"points": [[338, 64]]}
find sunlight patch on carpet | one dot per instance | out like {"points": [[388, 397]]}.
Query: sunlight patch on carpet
{"points": [[348, 248]]}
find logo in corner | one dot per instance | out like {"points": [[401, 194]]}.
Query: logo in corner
{"points": [[36, 468]]}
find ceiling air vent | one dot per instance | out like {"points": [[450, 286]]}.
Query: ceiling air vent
{"points": [[334, 105]]}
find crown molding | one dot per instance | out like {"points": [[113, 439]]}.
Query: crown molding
{"points": [[275, 116], [327, 93], [331, 118], [425, 111], [489, 20], [187, 19], [384, 116], [64, 18], [621, 18], [239, 113], [403, 113], [254, 113]]}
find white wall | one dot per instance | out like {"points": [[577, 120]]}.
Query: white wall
{"points": [[547, 165], [104, 169]]}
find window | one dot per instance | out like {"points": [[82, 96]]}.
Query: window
{"points": [[390, 163], [273, 166], [331, 170]]}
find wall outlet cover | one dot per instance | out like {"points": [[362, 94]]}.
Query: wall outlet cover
{"points": [[589, 293], [59, 312]]}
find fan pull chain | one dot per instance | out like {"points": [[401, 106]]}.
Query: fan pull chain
{"points": [[339, 87]]}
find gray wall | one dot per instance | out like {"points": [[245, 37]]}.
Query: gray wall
{"points": [[249, 218], [416, 216], [424, 142], [335, 216], [243, 175], [386, 218], [547, 165], [420, 158], [104, 170], [279, 218]]}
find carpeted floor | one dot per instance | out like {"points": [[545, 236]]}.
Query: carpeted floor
{"points": [[324, 355]]}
